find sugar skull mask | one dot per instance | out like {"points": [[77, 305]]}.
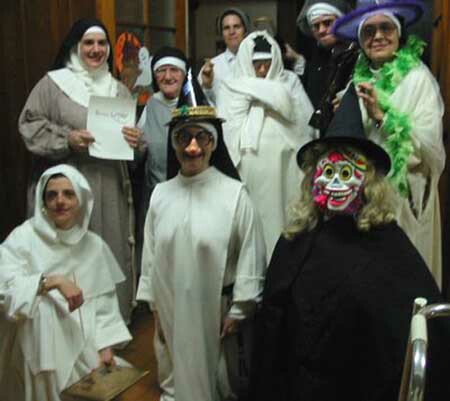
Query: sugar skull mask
{"points": [[339, 182]]}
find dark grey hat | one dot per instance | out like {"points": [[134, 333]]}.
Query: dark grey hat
{"points": [[235, 11], [302, 22]]}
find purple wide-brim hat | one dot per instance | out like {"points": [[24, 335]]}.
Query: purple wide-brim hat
{"points": [[346, 27]]}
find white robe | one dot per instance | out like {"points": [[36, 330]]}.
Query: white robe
{"points": [[266, 124], [201, 235], [223, 64], [43, 347], [418, 95]]}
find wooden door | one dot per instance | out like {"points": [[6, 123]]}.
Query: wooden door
{"points": [[440, 64], [31, 32], [156, 23]]}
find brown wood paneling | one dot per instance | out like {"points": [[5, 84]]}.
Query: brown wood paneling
{"points": [[66, 12], [440, 65], [81, 9], [14, 160], [440, 51], [106, 11], [286, 21], [146, 21], [30, 35], [42, 36], [180, 24]]}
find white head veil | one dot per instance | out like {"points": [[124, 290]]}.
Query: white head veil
{"points": [[41, 221], [37, 247], [79, 82], [244, 59]]}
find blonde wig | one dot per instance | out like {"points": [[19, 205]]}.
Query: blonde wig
{"points": [[378, 196]]}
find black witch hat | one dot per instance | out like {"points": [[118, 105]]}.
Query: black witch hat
{"points": [[193, 107], [346, 128]]}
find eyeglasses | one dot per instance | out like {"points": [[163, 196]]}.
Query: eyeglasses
{"points": [[369, 31], [327, 23], [183, 138]]}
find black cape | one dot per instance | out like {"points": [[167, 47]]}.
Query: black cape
{"points": [[335, 317]]}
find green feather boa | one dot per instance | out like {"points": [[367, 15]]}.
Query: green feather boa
{"points": [[397, 125]]}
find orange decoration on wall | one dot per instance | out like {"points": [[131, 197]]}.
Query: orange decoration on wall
{"points": [[127, 63], [126, 50]]}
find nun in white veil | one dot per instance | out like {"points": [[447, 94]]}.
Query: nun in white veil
{"points": [[59, 314], [53, 127], [267, 113]]}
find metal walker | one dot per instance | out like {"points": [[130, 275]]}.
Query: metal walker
{"points": [[413, 378]]}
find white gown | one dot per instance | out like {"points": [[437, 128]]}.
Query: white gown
{"points": [[201, 235], [418, 96], [266, 124]]}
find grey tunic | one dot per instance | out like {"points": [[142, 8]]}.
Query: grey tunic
{"points": [[45, 122], [157, 115], [155, 134]]}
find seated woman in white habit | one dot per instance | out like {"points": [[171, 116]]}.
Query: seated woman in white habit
{"points": [[59, 314]]}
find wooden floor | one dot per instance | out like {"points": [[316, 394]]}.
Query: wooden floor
{"points": [[140, 353]]}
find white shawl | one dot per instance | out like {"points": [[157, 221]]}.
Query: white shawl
{"points": [[47, 329], [247, 102], [80, 83]]}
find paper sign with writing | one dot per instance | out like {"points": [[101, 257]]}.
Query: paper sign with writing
{"points": [[106, 118]]}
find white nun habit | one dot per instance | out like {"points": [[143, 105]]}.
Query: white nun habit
{"points": [[201, 235], [43, 347], [266, 123]]}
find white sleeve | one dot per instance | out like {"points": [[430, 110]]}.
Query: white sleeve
{"points": [[251, 266], [234, 108], [299, 65], [110, 329], [427, 109], [304, 110], [144, 292], [143, 118], [18, 287], [210, 95]]}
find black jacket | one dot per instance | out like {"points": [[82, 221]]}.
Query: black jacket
{"points": [[327, 72]]}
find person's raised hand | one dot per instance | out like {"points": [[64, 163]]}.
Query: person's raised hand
{"points": [[132, 135], [207, 74], [368, 94]]}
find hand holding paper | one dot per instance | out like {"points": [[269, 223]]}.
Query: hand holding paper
{"points": [[132, 135], [79, 140]]}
